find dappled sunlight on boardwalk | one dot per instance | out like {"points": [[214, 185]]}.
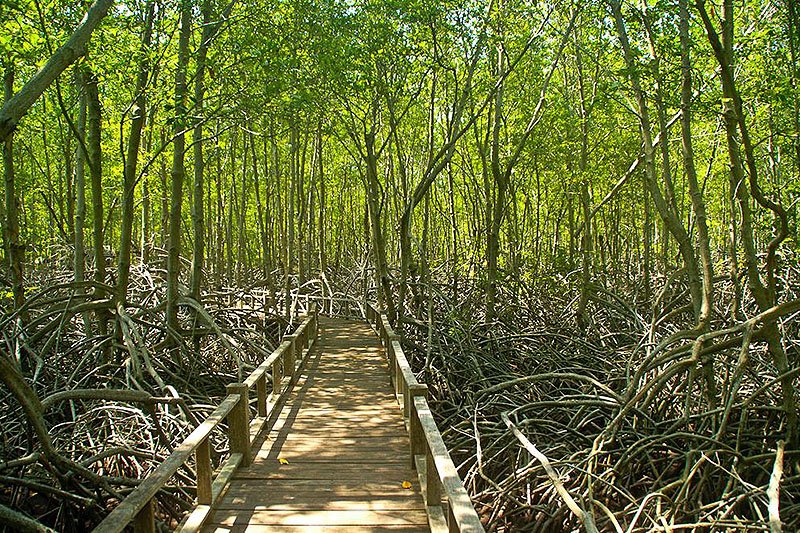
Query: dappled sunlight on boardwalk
{"points": [[336, 459]]}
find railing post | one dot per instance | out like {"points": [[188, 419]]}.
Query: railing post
{"points": [[399, 383], [452, 523], [434, 484], [416, 435], [239, 423], [382, 321], [203, 459], [261, 392], [315, 323], [390, 351], [145, 520], [277, 378], [289, 356]]}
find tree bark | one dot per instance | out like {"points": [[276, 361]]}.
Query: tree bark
{"points": [[733, 113], [79, 259], [323, 239], [94, 158], [15, 108], [698, 204], [178, 168], [198, 208], [260, 215], [210, 29], [500, 187], [15, 251], [132, 159], [667, 214], [385, 298]]}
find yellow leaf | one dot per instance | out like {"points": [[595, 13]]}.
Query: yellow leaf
{"points": [[406, 484], [283, 461]]}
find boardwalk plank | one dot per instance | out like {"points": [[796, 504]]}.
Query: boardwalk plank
{"points": [[344, 438], [321, 517], [219, 528], [311, 502]]}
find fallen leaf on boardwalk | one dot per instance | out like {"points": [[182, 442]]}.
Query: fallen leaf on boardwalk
{"points": [[283, 461], [406, 484]]}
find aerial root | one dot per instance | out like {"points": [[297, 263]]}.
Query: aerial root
{"points": [[622, 416]]}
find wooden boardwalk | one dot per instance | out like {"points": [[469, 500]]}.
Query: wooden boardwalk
{"points": [[336, 459]]}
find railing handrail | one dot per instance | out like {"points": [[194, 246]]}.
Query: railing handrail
{"points": [[138, 508], [128, 508], [440, 479]]}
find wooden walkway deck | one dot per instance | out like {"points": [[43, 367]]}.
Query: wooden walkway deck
{"points": [[336, 459]]}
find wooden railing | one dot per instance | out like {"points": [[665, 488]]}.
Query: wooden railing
{"points": [[339, 305], [448, 504], [138, 508]]}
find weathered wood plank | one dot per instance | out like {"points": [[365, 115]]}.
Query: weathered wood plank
{"points": [[321, 518], [348, 439], [219, 528], [356, 455], [310, 503], [345, 446], [342, 487], [344, 426], [322, 474]]}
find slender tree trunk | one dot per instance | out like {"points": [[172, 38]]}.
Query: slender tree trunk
{"points": [[144, 243], [262, 232], [69, 176], [587, 251], [15, 251], [732, 250], [132, 159], [241, 241], [300, 220], [230, 203], [280, 232], [178, 168], [586, 255], [94, 161], [147, 203], [455, 257], [52, 221], [79, 259], [198, 209], [94, 158], [219, 244], [385, 298], [733, 113], [698, 205], [162, 175], [290, 233], [666, 212], [15, 108], [268, 235], [309, 220], [793, 21], [647, 243], [499, 201], [323, 239]]}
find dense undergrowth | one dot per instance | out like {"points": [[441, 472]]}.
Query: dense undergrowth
{"points": [[620, 409], [177, 378]]}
